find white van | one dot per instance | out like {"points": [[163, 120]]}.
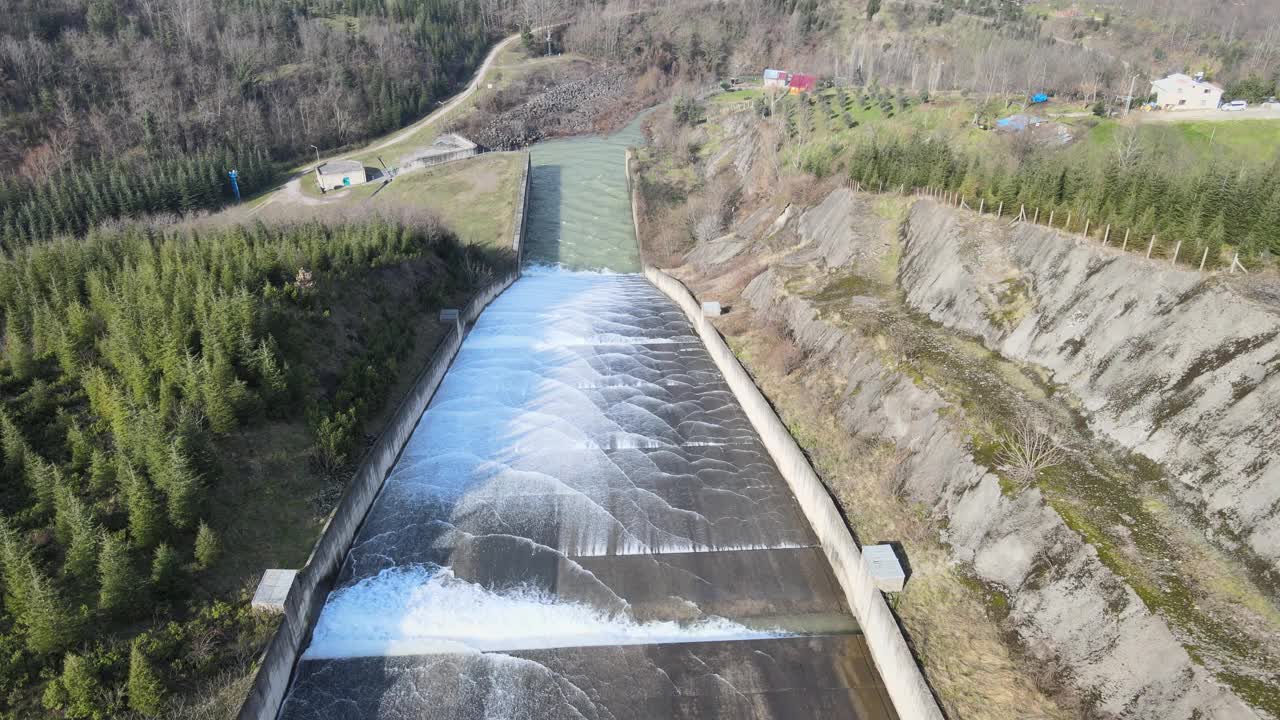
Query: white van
{"points": [[1234, 105]]}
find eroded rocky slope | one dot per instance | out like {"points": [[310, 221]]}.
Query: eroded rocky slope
{"points": [[1180, 366], [1121, 569]]}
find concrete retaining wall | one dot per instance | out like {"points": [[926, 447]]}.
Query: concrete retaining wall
{"points": [[522, 210], [442, 158], [314, 581], [903, 679]]}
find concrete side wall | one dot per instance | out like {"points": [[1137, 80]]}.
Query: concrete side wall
{"points": [[522, 210], [306, 597], [903, 679], [442, 158], [314, 581]]}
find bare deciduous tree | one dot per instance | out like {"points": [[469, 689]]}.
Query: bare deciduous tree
{"points": [[1128, 147], [1027, 450]]}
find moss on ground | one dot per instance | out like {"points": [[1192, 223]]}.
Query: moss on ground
{"points": [[1114, 499]]}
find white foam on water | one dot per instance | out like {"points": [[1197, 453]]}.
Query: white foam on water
{"points": [[417, 611]]}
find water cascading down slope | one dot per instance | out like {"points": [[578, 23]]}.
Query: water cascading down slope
{"points": [[584, 524]]}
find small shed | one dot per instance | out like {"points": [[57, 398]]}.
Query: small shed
{"points": [[338, 174], [776, 78], [801, 83], [273, 590], [886, 572]]}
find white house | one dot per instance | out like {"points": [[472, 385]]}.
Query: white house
{"points": [[1183, 92], [776, 79], [340, 173]]}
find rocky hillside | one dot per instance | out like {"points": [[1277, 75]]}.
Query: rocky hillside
{"points": [[1180, 366], [906, 343]]}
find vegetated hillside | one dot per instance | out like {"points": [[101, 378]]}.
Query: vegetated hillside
{"points": [[1140, 180], [992, 48], [1156, 528], [176, 407], [116, 109]]}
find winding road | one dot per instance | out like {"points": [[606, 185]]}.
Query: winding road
{"points": [[291, 191]]}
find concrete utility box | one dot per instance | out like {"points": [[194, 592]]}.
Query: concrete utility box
{"points": [[711, 309], [885, 569], [272, 590]]}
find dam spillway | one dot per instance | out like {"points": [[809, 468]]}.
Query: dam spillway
{"points": [[584, 524]]}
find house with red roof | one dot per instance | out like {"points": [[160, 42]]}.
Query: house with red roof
{"points": [[801, 83]]}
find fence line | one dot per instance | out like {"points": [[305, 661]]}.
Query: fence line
{"points": [[957, 199]]}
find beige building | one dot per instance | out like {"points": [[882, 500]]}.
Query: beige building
{"points": [[338, 174], [1183, 92]]}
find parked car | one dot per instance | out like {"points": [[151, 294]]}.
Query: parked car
{"points": [[1234, 105]]}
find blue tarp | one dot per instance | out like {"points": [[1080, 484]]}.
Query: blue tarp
{"points": [[1018, 122], [1039, 98]]}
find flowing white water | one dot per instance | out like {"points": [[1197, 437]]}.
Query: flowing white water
{"points": [[419, 611], [584, 525], [581, 418]]}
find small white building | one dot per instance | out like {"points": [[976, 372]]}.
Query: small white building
{"points": [[1183, 92], [776, 79], [338, 174]]}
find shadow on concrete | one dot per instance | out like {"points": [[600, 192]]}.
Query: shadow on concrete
{"points": [[543, 228]]}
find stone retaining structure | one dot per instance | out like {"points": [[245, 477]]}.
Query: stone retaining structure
{"points": [[314, 581], [903, 679]]}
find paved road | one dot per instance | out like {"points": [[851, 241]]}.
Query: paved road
{"points": [[1253, 113], [291, 191]]}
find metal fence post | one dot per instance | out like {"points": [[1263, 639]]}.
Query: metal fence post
{"points": [[1151, 245], [1125, 246], [1176, 249], [1203, 258]]}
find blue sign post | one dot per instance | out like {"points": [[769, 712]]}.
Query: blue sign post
{"points": [[235, 183]]}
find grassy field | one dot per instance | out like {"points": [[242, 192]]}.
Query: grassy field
{"points": [[739, 95], [474, 197], [1243, 141]]}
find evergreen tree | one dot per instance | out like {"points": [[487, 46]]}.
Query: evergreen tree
{"points": [[208, 547], [79, 444], [146, 522], [146, 691], [116, 574], [82, 687], [13, 445], [166, 570], [75, 519], [48, 621], [1214, 240], [16, 569], [102, 471], [17, 352], [182, 488]]}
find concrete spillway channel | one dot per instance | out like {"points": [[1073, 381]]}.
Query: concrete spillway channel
{"points": [[584, 524]]}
